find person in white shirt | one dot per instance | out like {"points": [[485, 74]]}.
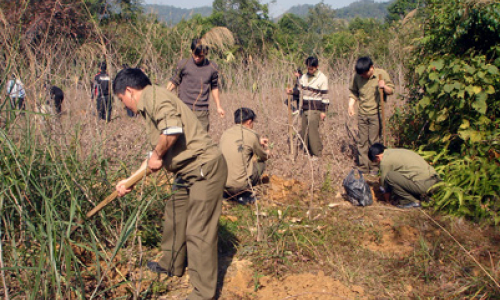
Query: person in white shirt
{"points": [[16, 92]]}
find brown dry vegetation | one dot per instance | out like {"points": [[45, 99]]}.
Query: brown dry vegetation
{"points": [[312, 243]]}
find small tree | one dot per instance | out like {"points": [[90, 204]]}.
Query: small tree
{"points": [[247, 19], [290, 33], [400, 8]]}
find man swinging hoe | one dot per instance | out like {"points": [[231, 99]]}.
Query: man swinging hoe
{"points": [[180, 144]]}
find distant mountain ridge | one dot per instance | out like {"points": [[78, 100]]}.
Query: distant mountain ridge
{"points": [[365, 9], [173, 15], [361, 8]]}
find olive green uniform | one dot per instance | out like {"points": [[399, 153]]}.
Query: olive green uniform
{"points": [[366, 92], [239, 145], [406, 174], [192, 213]]}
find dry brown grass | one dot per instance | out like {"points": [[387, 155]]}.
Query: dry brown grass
{"points": [[389, 253], [218, 38]]}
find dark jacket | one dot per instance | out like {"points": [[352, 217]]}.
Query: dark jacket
{"points": [[101, 86], [56, 97]]}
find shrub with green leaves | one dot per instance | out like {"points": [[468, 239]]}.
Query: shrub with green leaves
{"points": [[454, 80], [470, 187], [454, 101], [460, 102]]}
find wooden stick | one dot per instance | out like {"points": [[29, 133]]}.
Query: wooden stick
{"points": [[381, 91], [131, 181], [290, 123]]}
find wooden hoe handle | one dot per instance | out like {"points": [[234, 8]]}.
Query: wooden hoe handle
{"points": [[290, 123], [130, 182], [381, 91]]}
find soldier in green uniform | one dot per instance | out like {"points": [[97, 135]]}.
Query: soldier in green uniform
{"points": [[181, 145], [239, 145], [364, 89], [403, 173]]}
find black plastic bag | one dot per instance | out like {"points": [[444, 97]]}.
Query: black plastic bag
{"points": [[357, 190]]}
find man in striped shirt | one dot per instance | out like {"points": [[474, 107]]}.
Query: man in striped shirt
{"points": [[314, 89]]}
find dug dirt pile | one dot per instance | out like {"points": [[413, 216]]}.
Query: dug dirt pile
{"points": [[392, 239], [241, 283]]}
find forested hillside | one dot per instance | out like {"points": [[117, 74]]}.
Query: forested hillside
{"points": [[173, 15], [361, 8]]}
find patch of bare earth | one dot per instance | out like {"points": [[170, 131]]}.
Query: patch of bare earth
{"points": [[240, 283]]}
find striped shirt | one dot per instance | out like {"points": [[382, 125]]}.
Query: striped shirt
{"points": [[314, 90]]}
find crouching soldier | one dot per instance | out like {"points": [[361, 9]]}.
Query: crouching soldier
{"points": [[403, 173], [239, 144]]}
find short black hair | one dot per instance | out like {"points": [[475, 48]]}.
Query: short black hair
{"points": [[311, 61], [243, 114], [198, 48], [103, 66], [133, 78], [363, 65], [375, 150]]}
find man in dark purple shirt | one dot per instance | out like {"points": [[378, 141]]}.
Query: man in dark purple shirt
{"points": [[195, 77]]}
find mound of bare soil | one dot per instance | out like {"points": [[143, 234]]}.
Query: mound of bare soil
{"points": [[280, 189], [242, 284], [391, 239]]}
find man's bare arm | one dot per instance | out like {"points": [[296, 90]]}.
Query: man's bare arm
{"points": [[220, 110], [351, 110]]}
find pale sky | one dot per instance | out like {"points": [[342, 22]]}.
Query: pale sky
{"points": [[276, 8]]}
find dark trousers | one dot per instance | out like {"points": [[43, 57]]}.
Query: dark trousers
{"points": [[104, 108], [190, 226], [19, 101], [16, 103]]}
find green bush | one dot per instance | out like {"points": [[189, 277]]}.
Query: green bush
{"points": [[470, 187], [454, 104]]}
